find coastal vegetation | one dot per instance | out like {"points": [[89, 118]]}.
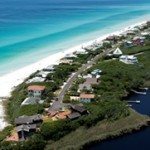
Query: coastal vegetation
{"points": [[103, 130], [109, 115]]}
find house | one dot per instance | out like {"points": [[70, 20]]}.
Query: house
{"points": [[95, 73], [86, 98], [130, 32], [73, 115], [128, 59], [81, 51], [35, 91], [34, 119], [36, 79], [70, 56], [66, 61], [75, 98], [42, 74], [117, 52], [128, 44], [24, 131], [145, 34], [50, 68], [138, 40], [79, 109], [84, 86], [112, 38]]}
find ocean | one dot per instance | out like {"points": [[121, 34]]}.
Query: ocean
{"points": [[31, 30]]}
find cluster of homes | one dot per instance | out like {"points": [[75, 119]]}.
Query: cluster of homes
{"points": [[25, 127], [59, 110], [127, 59], [85, 89], [40, 76]]}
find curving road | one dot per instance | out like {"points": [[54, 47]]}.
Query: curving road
{"points": [[75, 75]]}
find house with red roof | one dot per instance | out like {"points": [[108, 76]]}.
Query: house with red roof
{"points": [[35, 91], [86, 98]]}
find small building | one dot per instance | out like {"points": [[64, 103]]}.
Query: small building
{"points": [[130, 32], [128, 59], [73, 115], [42, 74], [128, 44], [96, 72], [86, 98], [75, 98], [34, 119], [50, 68], [36, 91], [70, 56], [117, 52], [81, 51], [36, 79], [79, 109], [66, 61], [145, 34], [138, 40], [24, 131]]}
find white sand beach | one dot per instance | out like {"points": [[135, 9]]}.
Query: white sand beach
{"points": [[9, 81]]}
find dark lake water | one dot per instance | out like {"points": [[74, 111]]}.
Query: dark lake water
{"points": [[136, 141]]}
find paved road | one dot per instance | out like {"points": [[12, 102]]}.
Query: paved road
{"points": [[75, 75]]}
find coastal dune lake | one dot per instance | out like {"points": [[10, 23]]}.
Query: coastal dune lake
{"points": [[30, 30], [139, 140]]}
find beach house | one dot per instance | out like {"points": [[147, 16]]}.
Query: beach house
{"points": [[128, 44], [34, 119], [50, 68], [138, 40], [36, 91], [96, 73], [25, 131], [86, 98], [128, 59], [117, 52], [34, 95]]}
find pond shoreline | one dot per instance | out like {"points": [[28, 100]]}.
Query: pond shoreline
{"points": [[118, 134]]}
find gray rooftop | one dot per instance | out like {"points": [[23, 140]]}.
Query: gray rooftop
{"points": [[78, 108], [28, 119], [74, 115], [26, 128]]}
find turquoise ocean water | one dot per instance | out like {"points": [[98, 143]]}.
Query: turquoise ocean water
{"points": [[33, 29]]}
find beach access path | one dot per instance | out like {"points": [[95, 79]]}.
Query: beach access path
{"points": [[70, 81]]}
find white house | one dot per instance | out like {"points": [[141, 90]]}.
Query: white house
{"points": [[128, 59], [117, 52]]}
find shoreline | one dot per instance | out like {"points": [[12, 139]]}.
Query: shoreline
{"points": [[103, 131], [10, 81]]}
